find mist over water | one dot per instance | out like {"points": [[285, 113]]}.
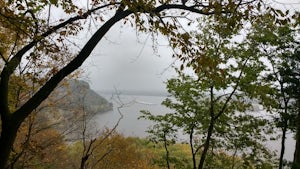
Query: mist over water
{"points": [[128, 108]]}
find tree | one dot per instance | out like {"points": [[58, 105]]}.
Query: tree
{"points": [[295, 84], [214, 103], [278, 47], [41, 135], [163, 131], [285, 93], [209, 134], [39, 40], [35, 148]]}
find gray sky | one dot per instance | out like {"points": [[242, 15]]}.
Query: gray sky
{"points": [[122, 60], [128, 62]]}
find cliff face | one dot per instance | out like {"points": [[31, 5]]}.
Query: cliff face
{"points": [[71, 103], [77, 95]]}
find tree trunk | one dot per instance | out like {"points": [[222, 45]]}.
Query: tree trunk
{"points": [[192, 147], [83, 161], [296, 161], [167, 150], [206, 145], [8, 135], [284, 129], [210, 129]]}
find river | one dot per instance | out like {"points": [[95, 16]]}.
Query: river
{"points": [[128, 107]]}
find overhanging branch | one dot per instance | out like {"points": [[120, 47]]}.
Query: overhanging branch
{"points": [[50, 85], [12, 64]]}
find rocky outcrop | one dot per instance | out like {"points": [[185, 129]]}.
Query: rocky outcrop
{"points": [[69, 104], [77, 95]]}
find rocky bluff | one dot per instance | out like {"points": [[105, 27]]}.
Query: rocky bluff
{"points": [[69, 104], [77, 95]]}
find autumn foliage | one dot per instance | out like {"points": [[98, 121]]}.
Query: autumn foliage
{"points": [[36, 54]]}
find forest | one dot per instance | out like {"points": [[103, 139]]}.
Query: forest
{"points": [[232, 54]]}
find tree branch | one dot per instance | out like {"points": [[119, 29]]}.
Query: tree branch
{"points": [[11, 65], [233, 91], [182, 7], [49, 86], [3, 58]]}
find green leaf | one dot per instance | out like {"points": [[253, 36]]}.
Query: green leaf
{"points": [[54, 2]]}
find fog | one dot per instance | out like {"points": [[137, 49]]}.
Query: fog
{"points": [[127, 61]]}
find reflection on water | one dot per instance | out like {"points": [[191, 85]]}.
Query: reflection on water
{"points": [[131, 105]]}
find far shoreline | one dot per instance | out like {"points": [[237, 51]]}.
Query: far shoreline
{"points": [[134, 92]]}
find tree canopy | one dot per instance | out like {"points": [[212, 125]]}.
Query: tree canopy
{"points": [[34, 46]]}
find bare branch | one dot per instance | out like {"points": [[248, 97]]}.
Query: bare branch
{"points": [[3, 58], [102, 157]]}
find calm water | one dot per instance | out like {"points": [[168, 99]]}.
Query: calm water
{"points": [[128, 107]]}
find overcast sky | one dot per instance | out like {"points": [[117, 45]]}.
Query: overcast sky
{"points": [[126, 61]]}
